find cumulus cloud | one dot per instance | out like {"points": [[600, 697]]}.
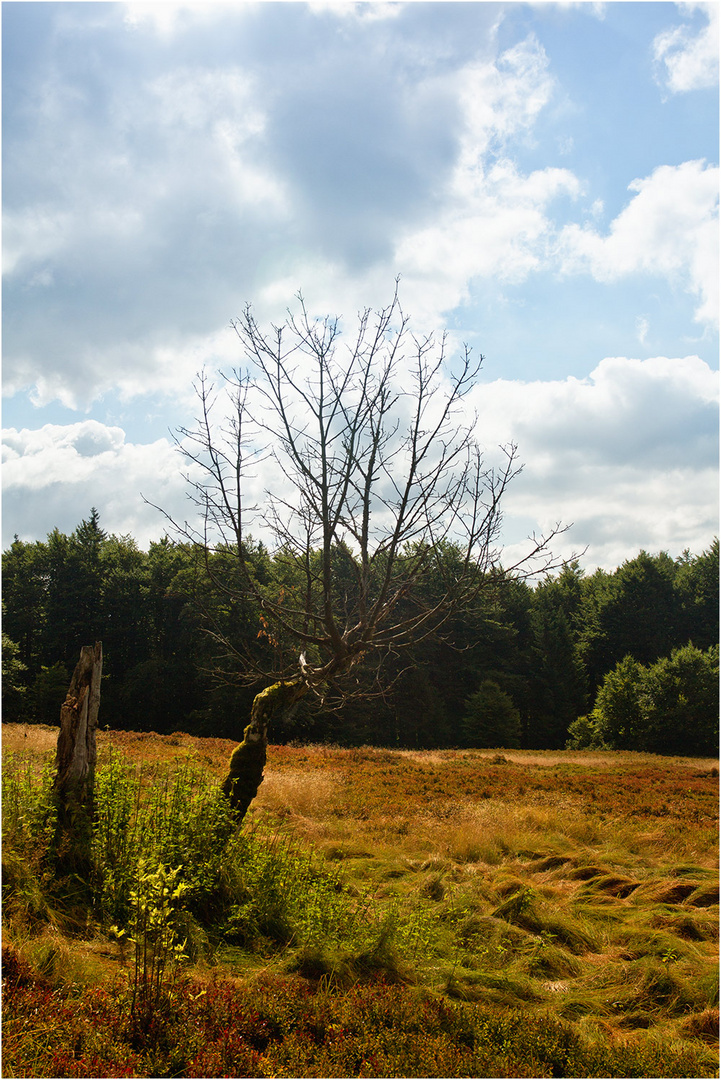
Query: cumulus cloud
{"points": [[53, 475], [492, 220], [628, 454], [669, 228], [689, 58], [185, 187], [616, 514], [165, 367], [499, 229]]}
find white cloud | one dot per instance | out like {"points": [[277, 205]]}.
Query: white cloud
{"points": [[130, 370], [494, 220], [629, 454], [669, 228], [367, 10], [627, 409], [33, 235], [690, 61], [616, 514], [168, 17], [642, 328], [501, 99], [498, 228], [53, 475]]}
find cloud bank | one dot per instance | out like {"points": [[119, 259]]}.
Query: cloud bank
{"points": [[55, 474], [629, 455], [274, 147]]}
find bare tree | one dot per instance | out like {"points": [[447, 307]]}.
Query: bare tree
{"points": [[376, 473]]}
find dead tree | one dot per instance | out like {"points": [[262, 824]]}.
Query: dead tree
{"points": [[376, 477], [75, 762]]}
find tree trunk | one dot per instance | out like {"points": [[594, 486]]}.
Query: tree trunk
{"points": [[75, 763], [245, 773]]}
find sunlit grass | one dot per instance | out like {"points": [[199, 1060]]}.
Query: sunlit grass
{"points": [[582, 887]]}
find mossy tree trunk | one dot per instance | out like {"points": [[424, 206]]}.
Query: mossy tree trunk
{"points": [[245, 773], [75, 761]]}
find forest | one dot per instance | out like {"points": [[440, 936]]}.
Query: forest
{"points": [[626, 659]]}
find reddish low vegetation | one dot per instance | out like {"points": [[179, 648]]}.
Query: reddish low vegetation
{"points": [[432, 913]]}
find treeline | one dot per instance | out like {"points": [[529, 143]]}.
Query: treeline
{"points": [[519, 669]]}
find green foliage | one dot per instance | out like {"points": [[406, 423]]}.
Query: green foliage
{"points": [[14, 689], [28, 816], [549, 648], [28, 810], [173, 816], [153, 904], [669, 707], [116, 837], [558, 676], [278, 894], [491, 719], [617, 714], [632, 612], [680, 696], [48, 693], [583, 734], [697, 586]]}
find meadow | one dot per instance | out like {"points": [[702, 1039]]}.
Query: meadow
{"points": [[380, 913]]}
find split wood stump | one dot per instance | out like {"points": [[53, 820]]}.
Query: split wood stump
{"points": [[75, 760]]}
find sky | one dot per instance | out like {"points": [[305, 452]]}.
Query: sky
{"points": [[543, 177]]}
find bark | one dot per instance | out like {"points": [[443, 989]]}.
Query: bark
{"points": [[75, 762], [245, 773]]}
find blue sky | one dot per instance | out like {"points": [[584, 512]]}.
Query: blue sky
{"points": [[544, 178]]}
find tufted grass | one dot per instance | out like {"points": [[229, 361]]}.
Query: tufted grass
{"points": [[579, 891]]}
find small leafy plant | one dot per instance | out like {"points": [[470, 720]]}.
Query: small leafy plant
{"points": [[158, 952]]}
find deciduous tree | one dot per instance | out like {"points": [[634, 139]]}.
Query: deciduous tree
{"points": [[373, 472]]}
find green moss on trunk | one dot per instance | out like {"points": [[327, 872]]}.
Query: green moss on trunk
{"points": [[245, 772]]}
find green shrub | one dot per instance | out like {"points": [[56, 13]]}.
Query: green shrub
{"points": [[668, 707], [158, 951], [617, 716], [680, 702], [28, 817], [583, 734]]}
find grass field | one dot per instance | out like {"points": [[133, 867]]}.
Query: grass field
{"points": [[387, 913]]}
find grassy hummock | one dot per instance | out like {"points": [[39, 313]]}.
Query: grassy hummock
{"points": [[378, 913]]}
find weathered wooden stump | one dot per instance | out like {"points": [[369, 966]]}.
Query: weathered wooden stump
{"points": [[75, 761]]}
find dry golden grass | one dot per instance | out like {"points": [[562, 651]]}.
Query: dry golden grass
{"points": [[467, 806], [586, 882], [304, 794], [32, 739]]}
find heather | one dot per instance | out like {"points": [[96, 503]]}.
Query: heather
{"points": [[429, 913]]}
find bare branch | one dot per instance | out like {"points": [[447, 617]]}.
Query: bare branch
{"points": [[380, 506]]}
